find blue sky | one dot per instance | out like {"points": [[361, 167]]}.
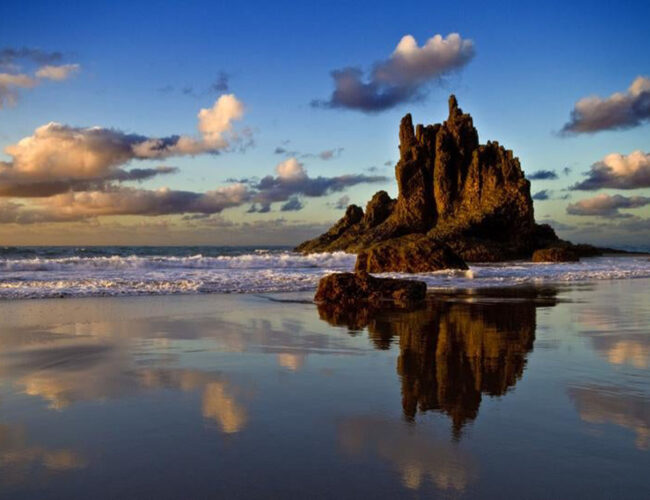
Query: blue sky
{"points": [[533, 61]]}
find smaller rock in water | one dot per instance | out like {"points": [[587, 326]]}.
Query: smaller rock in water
{"points": [[350, 288], [409, 254], [555, 254]]}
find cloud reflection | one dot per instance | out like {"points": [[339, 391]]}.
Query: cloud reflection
{"points": [[19, 458], [417, 458], [614, 405]]}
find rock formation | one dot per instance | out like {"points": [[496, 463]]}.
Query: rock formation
{"points": [[451, 190], [352, 288], [555, 254], [408, 254]]}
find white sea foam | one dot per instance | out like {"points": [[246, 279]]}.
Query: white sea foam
{"points": [[263, 271]]}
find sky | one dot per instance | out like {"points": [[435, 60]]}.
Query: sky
{"points": [[231, 123]]}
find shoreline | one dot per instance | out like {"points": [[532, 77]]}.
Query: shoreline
{"points": [[500, 292], [157, 275]]}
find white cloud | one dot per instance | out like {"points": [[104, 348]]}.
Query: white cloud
{"points": [[618, 111], [400, 78], [9, 82], [291, 169], [61, 153], [607, 206], [409, 63], [57, 73], [215, 125], [215, 121], [618, 171]]}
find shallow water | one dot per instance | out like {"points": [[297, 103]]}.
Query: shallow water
{"points": [[42, 272], [525, 393]]}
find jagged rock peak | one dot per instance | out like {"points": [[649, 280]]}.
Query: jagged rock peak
{"points": [[406, 133], [453, 106], [473, 198]]}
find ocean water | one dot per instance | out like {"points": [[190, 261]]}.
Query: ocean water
{"points": [[42, 272]]}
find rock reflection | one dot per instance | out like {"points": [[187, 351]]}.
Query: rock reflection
{"points": [[452, 350]]}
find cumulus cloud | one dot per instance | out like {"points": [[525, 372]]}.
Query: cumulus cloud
{"points": [[618, 171], [292, 180], [293, 204], [57, 73], [59, 157], [9, 83], [37, 188], [326, 154], [10, 56], [12, 78], [542, 195], [329, 154], [214, 124], [72, 206], [219, 85], [548, 194], [83, 198], [618, 111], [403, 77], [222, 83], [17, 213], [342, 203], [543, 175], [605, 205]]}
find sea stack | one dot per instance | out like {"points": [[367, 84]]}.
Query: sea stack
{"points": [[457, 201]]}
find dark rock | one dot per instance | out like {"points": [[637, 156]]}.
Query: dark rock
{"points": [[350, 288], [409, 254], [584, 250], [555, 254], [351, 219], [473, 197], [378, 209]]}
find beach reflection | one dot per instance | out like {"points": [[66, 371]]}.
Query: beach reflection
{"points": [[451, 351]]}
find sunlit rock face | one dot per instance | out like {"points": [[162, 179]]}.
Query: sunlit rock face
{"points": [[451, 353], [473, 197], [351, 288]]}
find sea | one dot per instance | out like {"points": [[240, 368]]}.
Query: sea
{"points": [[49, 272]]}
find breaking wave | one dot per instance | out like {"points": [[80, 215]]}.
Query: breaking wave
{"points": [[106, 271]]}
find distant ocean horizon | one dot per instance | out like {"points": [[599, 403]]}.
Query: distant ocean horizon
{"points": [[82, 271]]}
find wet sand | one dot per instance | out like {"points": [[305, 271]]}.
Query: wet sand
{"points": [[525, 392]]}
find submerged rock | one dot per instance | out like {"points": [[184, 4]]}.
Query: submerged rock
{"points": [[556, 254], [409, 254], [350, 288], [472, 197]]}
